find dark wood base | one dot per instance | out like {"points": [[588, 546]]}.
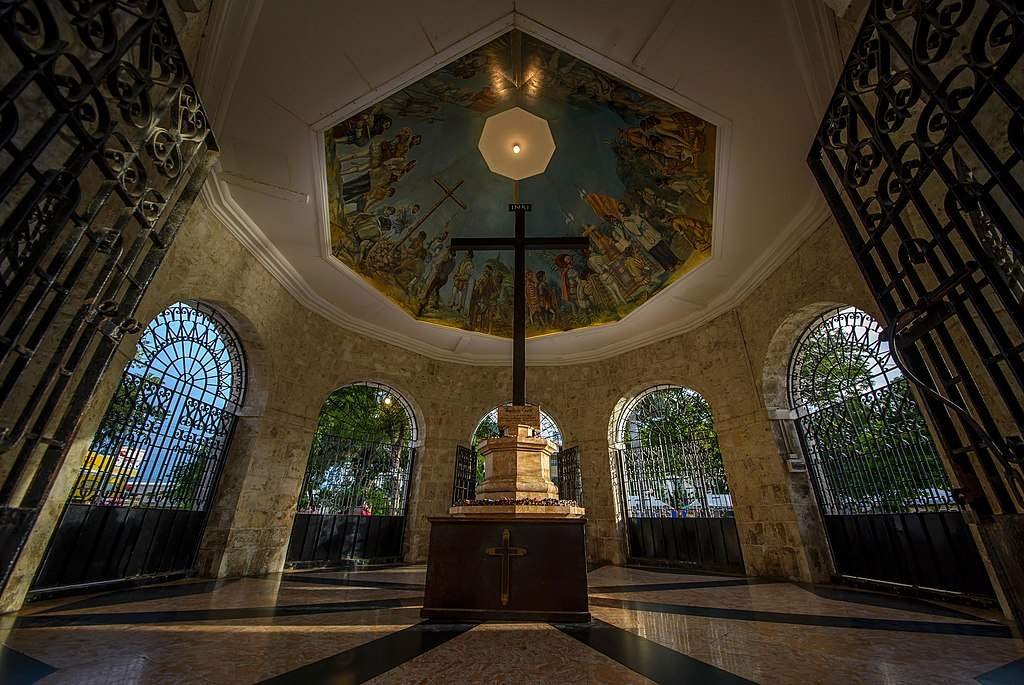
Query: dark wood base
{"points": [[535, 572]]}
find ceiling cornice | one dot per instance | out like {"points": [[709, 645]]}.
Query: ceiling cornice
{"points": [[217, 197]]}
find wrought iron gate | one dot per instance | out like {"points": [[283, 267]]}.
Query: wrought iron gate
{"points": [[672, 484], [884, 496], [919, 157], [678, 508], [105, 146], [140, 502], [566, 474], [356, 489], [464, 484]]}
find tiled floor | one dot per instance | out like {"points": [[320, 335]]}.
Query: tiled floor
{"points": [[332, 627]]}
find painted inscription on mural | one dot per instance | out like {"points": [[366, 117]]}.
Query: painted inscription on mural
{"points": [[632, 172]]}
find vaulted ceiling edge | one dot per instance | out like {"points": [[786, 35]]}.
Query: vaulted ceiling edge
{"points": [[632, 171], [217, 197], [296, 284]]}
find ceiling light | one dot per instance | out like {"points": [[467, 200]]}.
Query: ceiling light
{"points": [[516, 144]]}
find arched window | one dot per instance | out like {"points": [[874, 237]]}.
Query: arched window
{"points": [[469, 462], [864, 438], [671, 460], [488, 428], [157, 454], [672, 485], [886, 501], [361, 453], [354, 495]]}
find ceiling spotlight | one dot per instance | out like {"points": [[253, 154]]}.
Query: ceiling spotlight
{"points": [[516, 144]]}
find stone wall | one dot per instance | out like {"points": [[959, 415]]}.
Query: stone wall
{"points": [[730, 361], [297, 358]]}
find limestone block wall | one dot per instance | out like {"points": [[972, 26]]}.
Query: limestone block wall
{"points": [[296, 358]]}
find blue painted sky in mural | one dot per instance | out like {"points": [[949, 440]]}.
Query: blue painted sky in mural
{"points": [[633, 172]]}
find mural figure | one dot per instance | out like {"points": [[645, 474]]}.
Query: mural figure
{"points": [[412, 263], [442, 272], [548, 312], [633, 173], [434, 247], [532, 299], [463, 274]]}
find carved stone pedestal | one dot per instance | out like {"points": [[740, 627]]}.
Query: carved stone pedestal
{"points": [[517, 465]]}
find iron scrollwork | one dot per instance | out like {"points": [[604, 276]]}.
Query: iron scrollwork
{"points": [[104, 145], [919, 157], [362, 454], [864, 437]]}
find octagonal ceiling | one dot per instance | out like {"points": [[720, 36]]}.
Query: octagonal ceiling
{"points": [[276, 79], [630, 171]]}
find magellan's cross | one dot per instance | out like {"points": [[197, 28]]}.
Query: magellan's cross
{"points": [[506, 552], [519, 243]]}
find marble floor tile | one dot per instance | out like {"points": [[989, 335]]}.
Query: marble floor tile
{"points": [[511, 653], [329, 626]]}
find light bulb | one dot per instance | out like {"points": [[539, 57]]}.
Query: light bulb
{"points": [[387, 400], [516, 149]]}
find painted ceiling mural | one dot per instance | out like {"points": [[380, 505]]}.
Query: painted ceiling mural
{"points": [[630, 171]]}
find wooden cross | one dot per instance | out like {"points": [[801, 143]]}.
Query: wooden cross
{"points": [[520, 244], [506, 552], [449, 194]]}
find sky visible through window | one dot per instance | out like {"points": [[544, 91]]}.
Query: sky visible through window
{"points": [[183, 380]]}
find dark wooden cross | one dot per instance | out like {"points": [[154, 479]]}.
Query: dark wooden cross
{"points": [[506, 552], [520, 244]]}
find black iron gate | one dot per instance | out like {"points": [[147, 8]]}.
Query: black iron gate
{"points": [[139, 504], [567, 475], [672, 484], [678, 508], [354, 497], [919, 157], [105, 146], [887, 504], [464, 483]]}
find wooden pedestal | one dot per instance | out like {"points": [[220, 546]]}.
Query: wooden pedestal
{"points": [[489, 568]]}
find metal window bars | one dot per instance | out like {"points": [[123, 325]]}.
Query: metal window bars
{"points": [[104, 145], [919, 156], [162, 440], [362, 454], [864, 437], [669, 459]]}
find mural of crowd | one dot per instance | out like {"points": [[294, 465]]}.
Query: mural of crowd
{"points": [[633, 173]]}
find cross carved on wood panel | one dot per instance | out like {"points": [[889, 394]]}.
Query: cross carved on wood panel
{"points": [[506, 552]]}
